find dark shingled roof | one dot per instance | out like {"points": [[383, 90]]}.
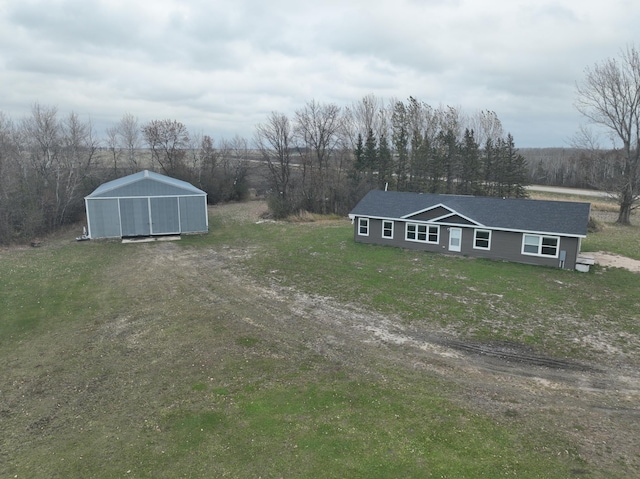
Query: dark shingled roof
{"points": [[556, 217]]}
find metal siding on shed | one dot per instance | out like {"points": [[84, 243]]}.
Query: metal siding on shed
{"points": [[165, 217], [103, 218], [193, 214], [146, 203], [134, 215]]}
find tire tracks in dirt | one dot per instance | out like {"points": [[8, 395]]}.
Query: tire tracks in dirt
{"points": [[593, 403]]}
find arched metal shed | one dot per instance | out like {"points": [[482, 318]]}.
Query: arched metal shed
{"points": [[146, 204]]}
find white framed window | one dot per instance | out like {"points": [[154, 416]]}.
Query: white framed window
{"points": [[387, 229], [539, 245], [363, 226], [422, 233], [482, 239]]}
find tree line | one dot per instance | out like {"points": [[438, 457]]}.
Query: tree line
{"points": [[323, 159], [49, 163]]}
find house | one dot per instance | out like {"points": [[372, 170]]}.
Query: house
{"points": [[545, 233], [145, 204]]}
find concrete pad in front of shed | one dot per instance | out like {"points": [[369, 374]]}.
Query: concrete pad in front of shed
{"points": [[149, 239]]}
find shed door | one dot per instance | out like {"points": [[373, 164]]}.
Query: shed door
{"points": [[134, 216], [455, 239], [165, 218]]}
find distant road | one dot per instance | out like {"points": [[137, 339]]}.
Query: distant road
{"points": [[568, 191]]}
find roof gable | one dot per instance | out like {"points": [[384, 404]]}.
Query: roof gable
{"points": [[145, 183], [440, 213], [510, 214], [457, 219]]}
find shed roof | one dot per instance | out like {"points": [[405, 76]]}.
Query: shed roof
{"points": [[144, 183], [554, 217]]}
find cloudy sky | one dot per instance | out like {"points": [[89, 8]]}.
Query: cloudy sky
{"points": [[221, 67]]}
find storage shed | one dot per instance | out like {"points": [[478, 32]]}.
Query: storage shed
{"points": [[146, 204]]}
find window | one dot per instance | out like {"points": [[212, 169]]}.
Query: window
{"points": [[363, 226], [482, 239], [422, 233], [387, 229], [537, 245]]}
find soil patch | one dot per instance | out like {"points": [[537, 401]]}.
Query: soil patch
{"points": [[611, 260]]}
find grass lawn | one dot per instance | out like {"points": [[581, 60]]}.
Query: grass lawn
{"points": [[157, 360]]}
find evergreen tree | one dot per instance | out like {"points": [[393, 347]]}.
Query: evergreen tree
{"points": [[505, 169], [470, 177], [359, 155], [489, 160], [400, 140], [358, 186], [370, 154], [437, 164], [451, 160], [419, 162], [516, 170], [385, 163]]}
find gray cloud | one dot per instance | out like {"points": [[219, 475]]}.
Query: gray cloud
{"points": [[221, 67]]}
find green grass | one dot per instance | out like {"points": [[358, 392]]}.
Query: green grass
{"points": [[108, 371], [613, 238], [622, 240], [41, 284], [480, 299]]}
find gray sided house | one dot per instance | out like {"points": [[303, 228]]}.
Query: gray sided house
{"points": [[545, 233], [146, 204]]}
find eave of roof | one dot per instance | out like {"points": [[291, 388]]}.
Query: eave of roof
{"points": [[140, 176]]}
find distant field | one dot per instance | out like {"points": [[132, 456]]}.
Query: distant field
{"points": [[623, 240], [274, 349]]}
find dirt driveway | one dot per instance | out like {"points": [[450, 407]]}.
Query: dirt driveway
{"points": [[594, 404], [615, 261]]}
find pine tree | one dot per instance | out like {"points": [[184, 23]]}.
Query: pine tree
{"points": [[516, 174], [385, 163], [438, 158], [506, 170], [451, 160], [489, 166], [400, 140], [470, 179], [418, 162], [370, 154], [359, 155]]}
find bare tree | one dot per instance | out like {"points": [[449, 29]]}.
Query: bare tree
{"points": [[486, 126], [367, 114], [168, 141], [209, 156], [40, 134], [274, 141], [609, 96], [318, 132], [9, 180], [78, 148], [57, 155], [42, 131], [128, 131], [113, 145]]}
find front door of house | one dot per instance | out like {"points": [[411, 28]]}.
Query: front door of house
{"points": [[455, 239]]}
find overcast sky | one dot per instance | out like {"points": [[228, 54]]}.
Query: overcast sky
{"points": [[221, 67]]}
